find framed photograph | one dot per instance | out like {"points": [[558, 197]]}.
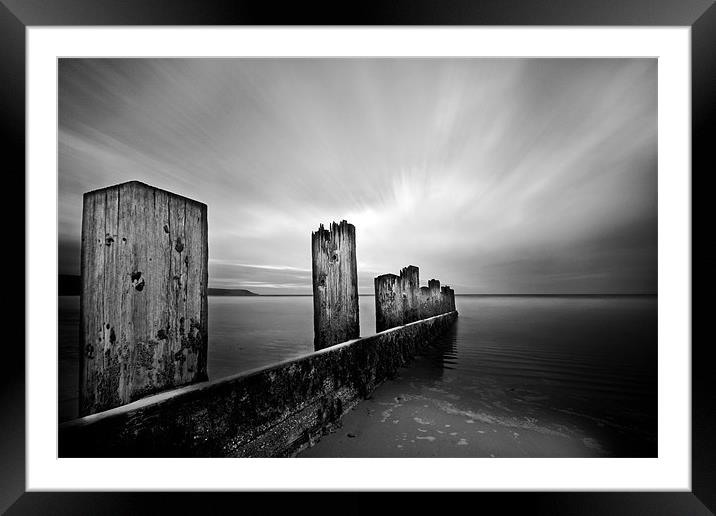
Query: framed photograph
{"points": [[245, 209]]}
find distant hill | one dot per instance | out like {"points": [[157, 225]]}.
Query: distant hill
{"points": [[69, 285], [230, 292]]}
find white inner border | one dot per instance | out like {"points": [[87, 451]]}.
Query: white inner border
{"points": [[670, 471]]}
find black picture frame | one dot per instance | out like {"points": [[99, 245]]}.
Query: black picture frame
{"points": [[699, 15]]}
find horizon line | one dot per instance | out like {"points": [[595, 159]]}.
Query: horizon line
{"points": [[485, 294]]}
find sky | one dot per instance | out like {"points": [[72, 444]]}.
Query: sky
{"points": [[492, 175]]}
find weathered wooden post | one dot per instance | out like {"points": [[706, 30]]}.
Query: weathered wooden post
{"points": [[144, 269], [409, 285], [451, 299], [335, 285], [434, 286], [401, 300], [445, 299], [388, 302], [424, 303]]}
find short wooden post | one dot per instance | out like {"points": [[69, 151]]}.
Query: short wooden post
{"points": [[434, 286], [401, 300], [424, 303], [388, 302], [144, 269], [410, 285], [335, 285], [445, 299], [451, 297]]}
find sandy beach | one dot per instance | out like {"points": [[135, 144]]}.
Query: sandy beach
{"points": [[412, 417]]}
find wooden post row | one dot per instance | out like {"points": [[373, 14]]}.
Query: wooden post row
{"points": [[400, 300]]}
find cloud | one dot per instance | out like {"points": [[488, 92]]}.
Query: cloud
{"points": [[494, 175]]}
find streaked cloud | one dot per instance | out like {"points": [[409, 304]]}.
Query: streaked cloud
{"points": [[494, 175]]}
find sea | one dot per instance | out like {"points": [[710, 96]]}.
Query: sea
{"points": [[547, 375]]}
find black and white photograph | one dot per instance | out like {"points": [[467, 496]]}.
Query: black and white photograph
{"points": [[414, 246], [357, 257], [404, 246]]}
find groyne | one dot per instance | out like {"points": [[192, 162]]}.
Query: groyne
{"points": [[272, 412], [144, 390]]}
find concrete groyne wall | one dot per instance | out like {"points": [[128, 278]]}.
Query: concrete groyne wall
{"points": [[271, 412]]}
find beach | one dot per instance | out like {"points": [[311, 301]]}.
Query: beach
{"points": [[516, 376], [568, 377]]}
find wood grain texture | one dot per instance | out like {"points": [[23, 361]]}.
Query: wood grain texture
{"points": [[143, 302], [335, 285]]}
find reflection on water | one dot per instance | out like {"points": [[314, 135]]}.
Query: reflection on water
{"points": [[578, 368]]}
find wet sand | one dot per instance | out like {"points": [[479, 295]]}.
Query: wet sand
{"points": [[409, 417]]}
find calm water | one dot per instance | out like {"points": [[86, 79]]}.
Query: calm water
{"points": [[244, 333], [577, 364], [584, 368]]}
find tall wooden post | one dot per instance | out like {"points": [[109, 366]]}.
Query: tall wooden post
{"points": [[335, 285], [144, 269]]}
